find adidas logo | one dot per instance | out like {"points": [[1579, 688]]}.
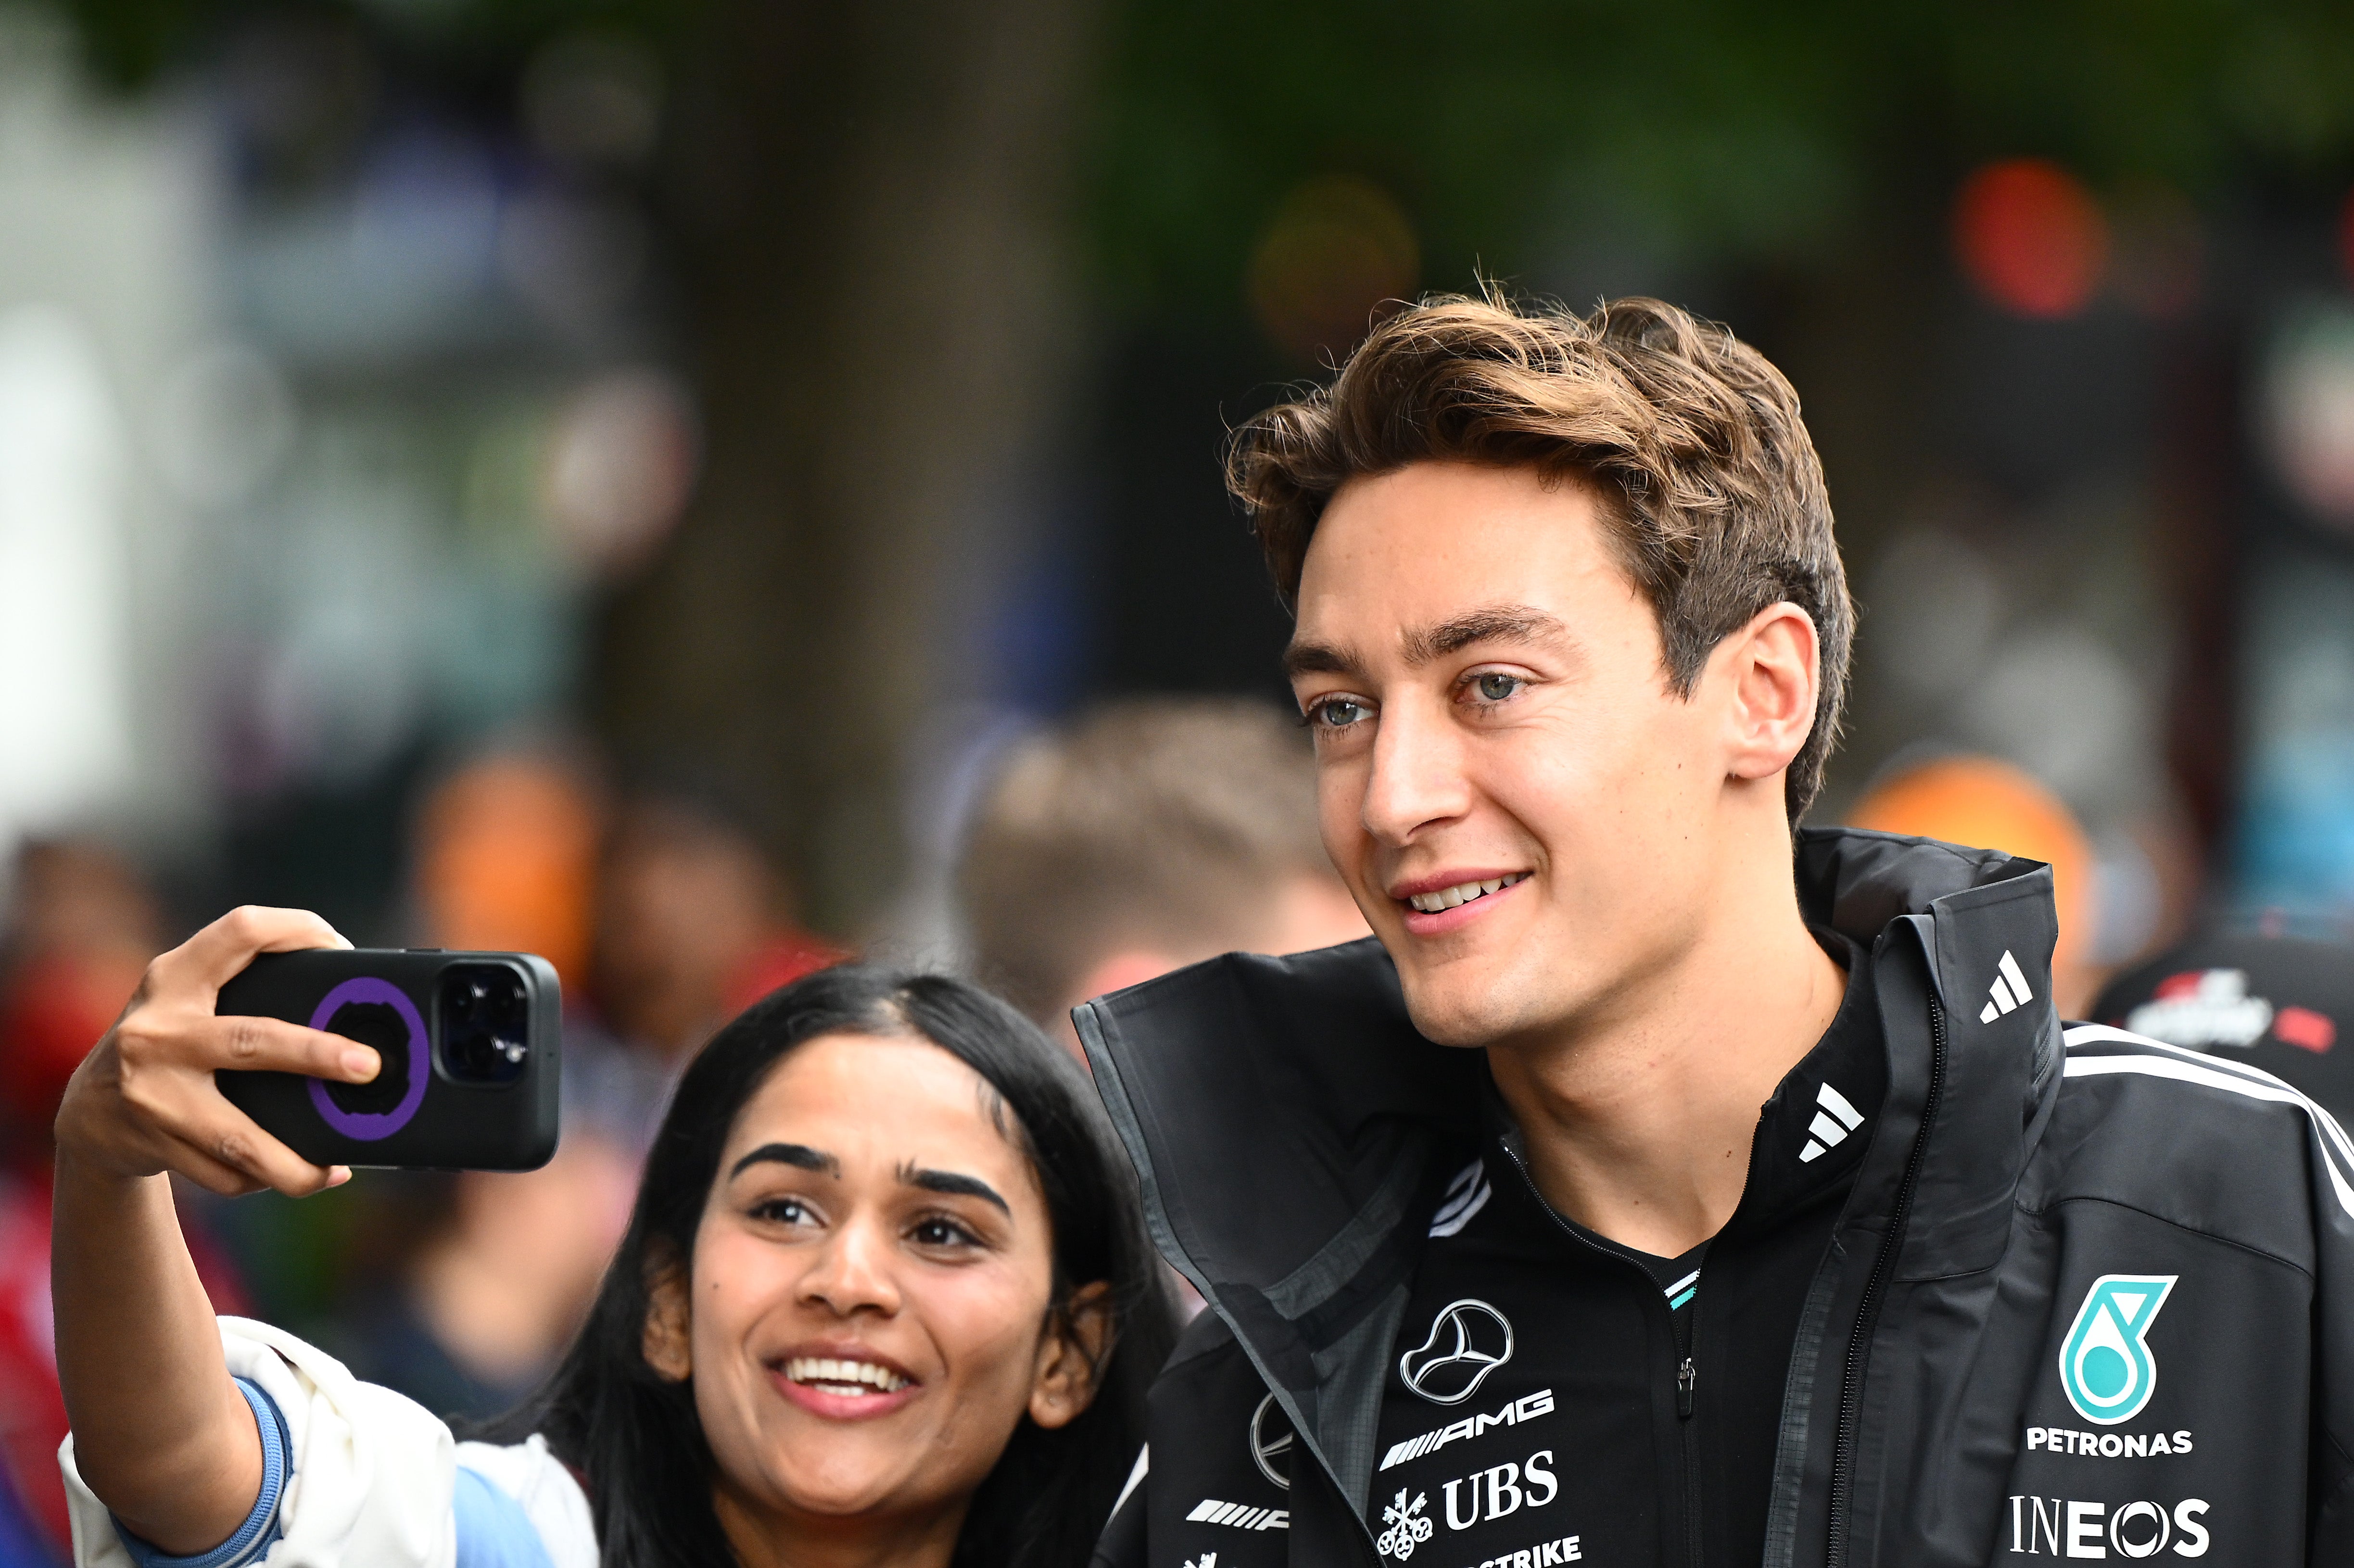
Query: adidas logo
{"points": [[2009, 990], [1466, 1197], [1829, 1133]]}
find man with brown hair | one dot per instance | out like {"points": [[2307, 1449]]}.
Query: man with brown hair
{"points": [[1150, 833], [1669, 1183]]}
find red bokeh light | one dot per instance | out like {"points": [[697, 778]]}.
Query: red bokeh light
{"points": [[2030, 236]]}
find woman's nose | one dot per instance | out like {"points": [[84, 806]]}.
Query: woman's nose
{"points": [[852, 1272]]}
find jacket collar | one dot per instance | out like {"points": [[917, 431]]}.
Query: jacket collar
{"points": [[1292, 1128]]}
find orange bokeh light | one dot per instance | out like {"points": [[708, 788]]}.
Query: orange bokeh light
{"points": [[1336, 250], [507, 856], [2030, 237]]}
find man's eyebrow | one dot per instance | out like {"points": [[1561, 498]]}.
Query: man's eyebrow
{"points": [[1319, 659], [795, 1154], [954, 1185], [1490, 624]]}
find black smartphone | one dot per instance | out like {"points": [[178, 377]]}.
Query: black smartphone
{"points": [[470, 1044]]}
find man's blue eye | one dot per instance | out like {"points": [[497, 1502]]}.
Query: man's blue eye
{"points": [[1495, 688], [1339, 713]]}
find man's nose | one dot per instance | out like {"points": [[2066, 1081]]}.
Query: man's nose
{"points": [[852, 1272], [1416, 777]]}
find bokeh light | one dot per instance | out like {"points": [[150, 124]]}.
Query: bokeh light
{"points": [[619, 468], [1977, 799], [2306, 411], [506, 854], [2030, 237], [1336, 248]]}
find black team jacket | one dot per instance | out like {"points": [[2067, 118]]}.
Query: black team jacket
{"points": [[2028, 1194]]}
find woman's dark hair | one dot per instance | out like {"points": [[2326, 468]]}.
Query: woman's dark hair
{"points": [[635, 1434]]}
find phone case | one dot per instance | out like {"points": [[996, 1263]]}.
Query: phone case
{"points": [[418, 1113]]}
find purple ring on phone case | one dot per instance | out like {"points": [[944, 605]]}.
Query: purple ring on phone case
{"points": [[364, 1125]]}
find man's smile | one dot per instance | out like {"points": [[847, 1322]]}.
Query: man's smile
{"points": [[1435, 904]]}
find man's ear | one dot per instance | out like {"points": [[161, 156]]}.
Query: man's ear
{"points": [[1071, 1356], [1772, 666], [666, 1343]]}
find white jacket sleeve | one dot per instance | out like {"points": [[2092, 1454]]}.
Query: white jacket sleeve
{"points": [[372, 1471], [550, 1501]]}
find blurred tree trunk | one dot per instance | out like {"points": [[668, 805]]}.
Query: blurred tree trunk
{"points": [[869, 206]]}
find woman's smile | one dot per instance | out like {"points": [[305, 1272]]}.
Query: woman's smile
{"points": [[843, 1382]]}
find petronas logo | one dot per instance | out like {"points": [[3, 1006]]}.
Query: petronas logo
{"points": [[2105, 1363]]}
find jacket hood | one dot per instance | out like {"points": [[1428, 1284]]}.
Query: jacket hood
{"points": [[1292, 1128]]}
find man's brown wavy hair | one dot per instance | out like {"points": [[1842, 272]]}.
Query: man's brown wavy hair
{"points": [[1691, 439]]}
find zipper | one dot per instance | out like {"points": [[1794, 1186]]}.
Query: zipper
{"points": [[1687, 1376], [1687, 1373], [1875, 1285]]}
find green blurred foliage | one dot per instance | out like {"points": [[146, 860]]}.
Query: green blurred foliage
{"points": [[1717, 129], [1710, 129]]}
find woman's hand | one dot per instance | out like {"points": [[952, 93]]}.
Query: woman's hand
{"points": [[160, 1431], [144, 1101]]}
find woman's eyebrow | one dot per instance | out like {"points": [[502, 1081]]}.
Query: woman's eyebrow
{"points": [[795, 1154], [951, 1182]]}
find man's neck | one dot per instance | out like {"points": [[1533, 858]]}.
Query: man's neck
{"points": [[1638, 1126]]}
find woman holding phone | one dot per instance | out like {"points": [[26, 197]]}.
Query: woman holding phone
{"points": [[886, 1299]]}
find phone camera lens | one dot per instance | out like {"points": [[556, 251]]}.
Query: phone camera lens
{"points": [[485, 1023]]}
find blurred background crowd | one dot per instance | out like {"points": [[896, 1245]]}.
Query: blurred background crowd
{"points": [[692, 488]]}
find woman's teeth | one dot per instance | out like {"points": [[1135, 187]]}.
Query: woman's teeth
{"points": [[1463, 893], [846, 1378]]}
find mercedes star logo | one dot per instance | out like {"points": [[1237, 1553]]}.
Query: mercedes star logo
{"points": [[1270, 1442], [1468, 1340]]}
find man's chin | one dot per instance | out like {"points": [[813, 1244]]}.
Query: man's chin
{"points": [[1454, 1013]]}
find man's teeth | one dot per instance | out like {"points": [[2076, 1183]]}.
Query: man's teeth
{"points": [[844, 1377], [1462, 893]]}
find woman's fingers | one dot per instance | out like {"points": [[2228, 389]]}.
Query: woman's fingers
{"points": [[211, 957], [227, 1181], [273, 1045], [137, 1122], [230, 1148], [145, 1098], [175, 1117]]}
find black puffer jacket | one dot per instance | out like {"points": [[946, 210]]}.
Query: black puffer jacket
{"points": [[2039, 1225]]}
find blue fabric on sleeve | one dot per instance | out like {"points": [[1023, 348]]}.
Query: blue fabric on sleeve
{"points": [[492, 1530], [260, 1532]]}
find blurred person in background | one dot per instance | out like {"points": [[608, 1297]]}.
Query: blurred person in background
{"points": [[1147, 835], [1989, 804], [462, 1287], [467, 1286], [505, 854], [693, 923], [2262, 997], [80, 927]]}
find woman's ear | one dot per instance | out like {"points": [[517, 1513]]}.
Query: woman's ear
{"points": [[1077, 1343], [665, 1344]]}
